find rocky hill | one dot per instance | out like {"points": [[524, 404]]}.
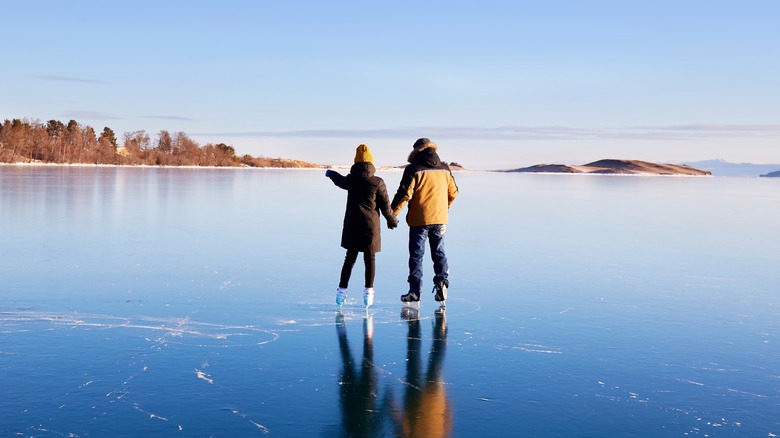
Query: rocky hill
{"points": [[725, 168]]}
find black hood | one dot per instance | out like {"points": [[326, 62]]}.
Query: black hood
{"points": [[427, 157], [364, 170]]}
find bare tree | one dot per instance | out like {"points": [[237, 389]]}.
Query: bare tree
{"points": [[184, 149], [136, 146], [88, 145], [164, 142]]}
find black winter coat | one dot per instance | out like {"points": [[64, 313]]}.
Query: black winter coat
{"points": [[366, 198]]}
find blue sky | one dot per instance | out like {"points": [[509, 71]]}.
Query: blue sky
{"points": [[495, 83]]}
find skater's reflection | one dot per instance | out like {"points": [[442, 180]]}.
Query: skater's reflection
{"points": [[426, 411], [358, 383]]}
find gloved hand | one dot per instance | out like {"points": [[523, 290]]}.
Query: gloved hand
{"points": [[392, 224], [327, 173]]}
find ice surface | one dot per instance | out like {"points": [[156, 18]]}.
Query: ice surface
{"points": [[157, 302]]}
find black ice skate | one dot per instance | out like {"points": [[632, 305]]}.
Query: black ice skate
{"points": [[411, 299], [440, 293]]}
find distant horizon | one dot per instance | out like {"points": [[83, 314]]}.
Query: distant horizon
{"points": [[769, 167], [154, 137], [532, 141]]}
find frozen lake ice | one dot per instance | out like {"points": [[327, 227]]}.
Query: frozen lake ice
{"points": [[200, 302]]}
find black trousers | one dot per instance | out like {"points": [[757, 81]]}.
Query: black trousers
{"points": [[349, 262]]}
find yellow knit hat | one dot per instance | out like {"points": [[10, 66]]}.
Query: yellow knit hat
{"points": [[363, 154]]}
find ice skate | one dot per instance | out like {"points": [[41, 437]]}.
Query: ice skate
{"points": [[341, 296], [411, 299], [368, 297], [440, 293]]}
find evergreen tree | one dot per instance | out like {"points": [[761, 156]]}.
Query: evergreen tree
{"points": [[108, 135]]}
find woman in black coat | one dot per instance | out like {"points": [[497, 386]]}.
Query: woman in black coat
{"points": [[366, 198]]}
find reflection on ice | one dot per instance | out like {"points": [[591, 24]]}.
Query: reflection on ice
{"points": [[358, 391], [424, 410]]}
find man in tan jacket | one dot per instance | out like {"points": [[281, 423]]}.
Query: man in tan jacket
{"points": [[429, 188]]}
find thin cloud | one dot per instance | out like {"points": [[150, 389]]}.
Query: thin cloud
{"points": [[70, 79], [508, 133], [674, 132], [712, 131], [713, 127], [90, 115], [159, 117]]}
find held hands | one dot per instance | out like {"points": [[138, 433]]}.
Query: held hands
{"points": [[392, 223]]}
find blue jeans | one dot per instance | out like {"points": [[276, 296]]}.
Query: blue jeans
{"points": [[417, 237]]}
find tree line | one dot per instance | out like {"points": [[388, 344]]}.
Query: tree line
{"points": [[25, 141]]}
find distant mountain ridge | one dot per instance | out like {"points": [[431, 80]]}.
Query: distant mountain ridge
{"points": [[616, 167], [775, 174], [724, 168]]}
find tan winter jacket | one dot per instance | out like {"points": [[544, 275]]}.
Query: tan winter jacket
{"points": [[428, 187]]}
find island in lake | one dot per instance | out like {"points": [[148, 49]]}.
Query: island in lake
{"points": [[775, 174], [615, 167]]}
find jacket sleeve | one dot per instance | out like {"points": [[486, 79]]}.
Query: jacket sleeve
{"points": [[452, 190], [383, 204], [338, 179], [404, 193]]}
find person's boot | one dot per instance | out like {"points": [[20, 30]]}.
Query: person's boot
{"points": [[341, 296], [411, 298], [440, 292], [368, 296]]}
